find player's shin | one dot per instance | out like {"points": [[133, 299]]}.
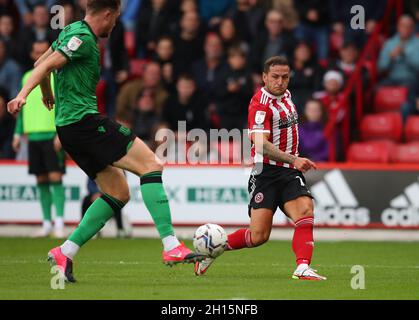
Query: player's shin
{"points": [[46, 201], [156, 201], [239, 239], [58, 197], [101, 210], [302, 242]]}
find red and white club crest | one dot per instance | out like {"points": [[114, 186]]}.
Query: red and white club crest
{"points": [[259, 197]]}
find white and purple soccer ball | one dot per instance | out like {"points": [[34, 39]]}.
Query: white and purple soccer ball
{"points": [[210, 239]]}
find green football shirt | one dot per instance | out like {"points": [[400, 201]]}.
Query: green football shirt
{"points": [[75, 82]]}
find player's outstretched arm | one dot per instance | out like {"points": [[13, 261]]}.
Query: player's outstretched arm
{"points": [[47, 95], [54, 61], [263, 146]]}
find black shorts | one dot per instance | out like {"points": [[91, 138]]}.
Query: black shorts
{"points": [[95, 142], [44, 159], [275, 186]]}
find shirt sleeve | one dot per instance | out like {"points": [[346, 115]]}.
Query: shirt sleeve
{"points": [[259, 118], [73, 46]]}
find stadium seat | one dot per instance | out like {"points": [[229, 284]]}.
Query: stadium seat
{"points": [[369, 152], [129, 41], [389, 98], [406, 153], [382, 126], [411, 130]]}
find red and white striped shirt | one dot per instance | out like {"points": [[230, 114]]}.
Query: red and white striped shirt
{"points": [[278, 117]]}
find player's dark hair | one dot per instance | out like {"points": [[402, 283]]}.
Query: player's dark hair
{"points": [[94, 6], [186, 76], [275, 61]]}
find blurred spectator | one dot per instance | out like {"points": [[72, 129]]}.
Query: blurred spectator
{"points": [[234, 91], [10, 72], [80, 9], [399, 57], [275, 41], [186, 104], [39, 30], [412, 8], [248, 18], [306, 75], [114, 65], [7, 33], [144, 119], [130, 91], [7, 125], [346, 62], [313, 143], [209, 72], [153, 22], [164, 57], [211, 11], [340, 13], [229, 35], [27, 9], [189, 41], [130, 11], [188, 6], [333, 83], [314, 25], [9, 7], [411, 106], [290, 14], [69, 11]]}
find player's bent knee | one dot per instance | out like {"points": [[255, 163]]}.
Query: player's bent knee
{"points": [[259, 238]]}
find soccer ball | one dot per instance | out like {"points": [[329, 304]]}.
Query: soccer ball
{"points": [[210, 239]]}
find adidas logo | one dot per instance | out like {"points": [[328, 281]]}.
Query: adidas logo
{"points": [[404, 209], [335, 203]]}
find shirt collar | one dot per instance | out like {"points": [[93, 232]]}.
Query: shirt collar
{"points": [[90, 29]]}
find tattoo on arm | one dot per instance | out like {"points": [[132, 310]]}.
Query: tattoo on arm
{"points": [[263, 146], [273, 153]]}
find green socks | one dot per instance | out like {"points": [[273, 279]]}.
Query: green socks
{"points": [[156, 201], [58, 197], [101, 210], [46, 200]]}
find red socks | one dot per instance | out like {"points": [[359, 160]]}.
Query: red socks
{"points": [[302, 242], [240, 239]]}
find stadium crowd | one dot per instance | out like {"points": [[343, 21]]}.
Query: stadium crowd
{"points": [[201, 60]]}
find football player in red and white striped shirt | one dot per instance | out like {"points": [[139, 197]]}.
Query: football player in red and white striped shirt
{"points": [[277, 177]]}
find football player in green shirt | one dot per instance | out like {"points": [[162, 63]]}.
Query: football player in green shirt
{"points": [[101, 147], [46, 157]]}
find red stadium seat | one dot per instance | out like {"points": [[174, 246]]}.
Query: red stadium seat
{"points": [[389, 98], [406, 153], [411, 130], [382, 126], [369, 152]]}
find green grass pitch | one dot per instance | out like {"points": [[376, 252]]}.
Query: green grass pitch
{"points": [[132, 269]]}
